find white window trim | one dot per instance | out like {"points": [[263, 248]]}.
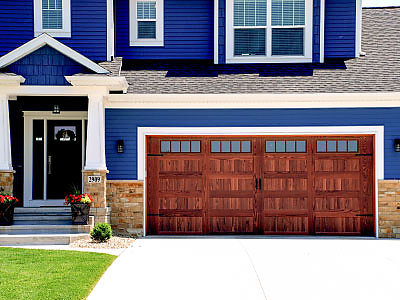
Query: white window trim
{"points": [[307, 58], [377, 131], [38, 27], [159, 40]]}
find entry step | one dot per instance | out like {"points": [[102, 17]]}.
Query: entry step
{"points": [[40, 239]]}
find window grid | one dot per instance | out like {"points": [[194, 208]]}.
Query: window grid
{"points": [[337, 146], [230, 146], [182, 146], [146, 17], [286, 146], [52, 14]]}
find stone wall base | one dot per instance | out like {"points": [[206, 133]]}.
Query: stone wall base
{"points": [[125, 197], [97, 190], [100, 215], [389, 208], [7, 181]]}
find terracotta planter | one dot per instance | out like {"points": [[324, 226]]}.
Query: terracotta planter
{"points": [[6, 214], [80, 213]]}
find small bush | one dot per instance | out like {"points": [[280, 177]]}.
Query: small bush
{"points": [[101, 232]]}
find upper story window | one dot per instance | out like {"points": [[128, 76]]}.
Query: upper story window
{"points": [[53, 17], [263, 31], [146, 23]]}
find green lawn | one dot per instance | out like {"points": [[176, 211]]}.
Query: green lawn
{"points": [[47, 274]]}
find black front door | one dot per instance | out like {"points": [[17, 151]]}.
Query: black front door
{"points": [[64, 158]]}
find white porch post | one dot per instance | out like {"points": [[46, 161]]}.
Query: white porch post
{"points": [[95, 141], [5, 141]]}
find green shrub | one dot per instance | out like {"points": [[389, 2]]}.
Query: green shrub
{"points": [[101, 232]]}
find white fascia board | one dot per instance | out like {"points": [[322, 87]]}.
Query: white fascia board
{"points": [[45, 39], [233, 101], [112, 83]]}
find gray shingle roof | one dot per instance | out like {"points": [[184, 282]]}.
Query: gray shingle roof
{"points": [[378, 71]]}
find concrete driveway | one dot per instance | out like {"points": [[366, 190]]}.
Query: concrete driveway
{"points": [[254, 269]]}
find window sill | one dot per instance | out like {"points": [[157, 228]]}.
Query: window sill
{"points": [[54, 33], [146, 43], [268, 60]]}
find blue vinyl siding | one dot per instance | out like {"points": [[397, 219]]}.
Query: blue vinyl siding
{"points": [[188, 31], [89, 26], [45, 66], [123, 124], [316, 30], [340, 28], [221, 31]]}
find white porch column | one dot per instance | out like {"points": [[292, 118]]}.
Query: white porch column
{"points": [[95, 141], [5, 141]]}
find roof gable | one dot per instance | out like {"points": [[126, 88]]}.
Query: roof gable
{"points": [[42, 41]]}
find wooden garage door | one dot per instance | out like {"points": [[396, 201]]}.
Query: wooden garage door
{"points": [[260, 185]]}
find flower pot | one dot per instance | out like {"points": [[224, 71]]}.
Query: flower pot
{"points": [[6, 214], [80, 213]]}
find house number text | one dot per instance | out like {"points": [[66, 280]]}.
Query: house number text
{"points": [[94, 179]]}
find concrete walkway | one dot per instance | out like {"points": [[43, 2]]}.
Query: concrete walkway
{"points": [[254, 269]]}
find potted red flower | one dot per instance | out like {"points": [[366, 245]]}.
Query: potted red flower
{"points": [[80, 207], [7, 204]]}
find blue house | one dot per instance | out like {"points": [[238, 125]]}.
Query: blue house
{"points": [[205, 116]]}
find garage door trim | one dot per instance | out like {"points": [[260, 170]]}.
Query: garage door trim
{"points": [[377, 131]]}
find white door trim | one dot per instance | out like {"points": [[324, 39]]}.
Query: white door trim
{"points": [[29, 116], [377, 131]]}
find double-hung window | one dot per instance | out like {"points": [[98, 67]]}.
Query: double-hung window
{"points": [[53, 17], [269, 31], [146, 17]]}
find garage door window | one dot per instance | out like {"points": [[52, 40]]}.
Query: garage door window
{"points": [[339, 146], [180, 146], [230, 146], [285, 146]]}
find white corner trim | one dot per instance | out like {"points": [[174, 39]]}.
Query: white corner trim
{"points": [[216, 21], [112, 83], [358, 27], [11, 79], [230, 101], [159, 40], [110, 30], [377, 131], [45, 39], [322, 33], [66, 15]]}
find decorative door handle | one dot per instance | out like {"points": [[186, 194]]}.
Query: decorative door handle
{"points": [[256, 183], [259, 183], [49, 165]]}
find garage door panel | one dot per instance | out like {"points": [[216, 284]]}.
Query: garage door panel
{"points": [[339, 164], [337, 184], [286, 164], [181, 185], [177, 225], [232, 224], [332, 203], [285, 184], [285, 203], [337, 225], [286, 224], [181, 203], [231, 203], [231, 165], [180, 165]]}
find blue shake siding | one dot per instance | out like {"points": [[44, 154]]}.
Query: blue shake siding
{"points": [[88, 26], [123, 124]]}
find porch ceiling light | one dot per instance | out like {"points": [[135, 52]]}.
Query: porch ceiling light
{"points": [[397, 145], [56, 109], [120, 146]]}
